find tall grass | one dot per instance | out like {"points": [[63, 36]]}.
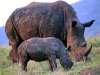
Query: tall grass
{"points": [[42, 68], [95, 41]]}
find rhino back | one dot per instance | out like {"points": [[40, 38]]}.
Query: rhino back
{"points": [[42, 21]]}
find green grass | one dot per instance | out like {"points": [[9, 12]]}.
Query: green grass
{"points": [[95, 41], [35, 68]]}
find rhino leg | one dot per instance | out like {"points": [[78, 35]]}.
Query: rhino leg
{"points": [[52, 62], [13, 37], [23, 59], [12, 40]]}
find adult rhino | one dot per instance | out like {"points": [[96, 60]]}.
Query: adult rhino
{"points": [[56, 19]]}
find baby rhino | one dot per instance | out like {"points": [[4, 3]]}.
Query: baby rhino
{"points": [[40, 49]]}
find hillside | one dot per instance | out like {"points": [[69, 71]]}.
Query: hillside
{"points": [[3, 37]]}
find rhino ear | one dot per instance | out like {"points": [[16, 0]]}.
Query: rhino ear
{"points": [[88, 24], [74, 23]]}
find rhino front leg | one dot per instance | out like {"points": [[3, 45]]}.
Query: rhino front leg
{"points": [[52, 62]]}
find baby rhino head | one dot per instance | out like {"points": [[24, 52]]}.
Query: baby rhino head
{"points": [[65, 60]]}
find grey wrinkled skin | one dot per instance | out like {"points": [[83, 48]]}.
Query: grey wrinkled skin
{"points": [[57, 19], [40, 49]]}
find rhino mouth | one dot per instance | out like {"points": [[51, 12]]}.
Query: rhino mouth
{"points": [[85, 53], [80, 53]]}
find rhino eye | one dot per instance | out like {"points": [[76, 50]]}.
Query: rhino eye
{"points": [[74, 23]]}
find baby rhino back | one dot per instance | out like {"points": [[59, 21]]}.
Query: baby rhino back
{"points": [[40, 49]]}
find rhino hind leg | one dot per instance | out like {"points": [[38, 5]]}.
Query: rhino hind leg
{"points": [[13, 44], [13, 56], [12, 37]]}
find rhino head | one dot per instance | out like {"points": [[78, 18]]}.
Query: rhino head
{"points": [[76, 40]]}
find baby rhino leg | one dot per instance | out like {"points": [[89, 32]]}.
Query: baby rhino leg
{"points": [[52, 62], [23, 60]]}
